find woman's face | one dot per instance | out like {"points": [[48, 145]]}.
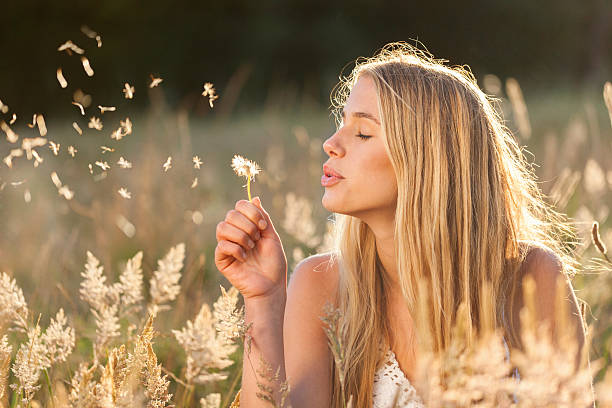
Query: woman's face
{"points": [[368, 186]]}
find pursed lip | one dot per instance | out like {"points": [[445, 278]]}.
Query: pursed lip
{"points": [[330, 171]]}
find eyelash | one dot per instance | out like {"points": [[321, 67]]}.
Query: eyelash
{"points": [[364, 137]]}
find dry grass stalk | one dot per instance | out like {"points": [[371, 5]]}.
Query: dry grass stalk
{"points": [[267, 390], [208, 341], [519, 107], [5, 362], [334, 331], [164, 286], [298, 220]]}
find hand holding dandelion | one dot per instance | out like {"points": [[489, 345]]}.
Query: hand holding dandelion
{"points": [[245, 168], [250, 254]]}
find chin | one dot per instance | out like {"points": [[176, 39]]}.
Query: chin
{"points": [[332, 205]]}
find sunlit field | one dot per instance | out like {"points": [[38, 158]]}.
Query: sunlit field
{"points": [[112, 221]]}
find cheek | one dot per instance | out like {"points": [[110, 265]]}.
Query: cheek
{"points": [[381, 177]]}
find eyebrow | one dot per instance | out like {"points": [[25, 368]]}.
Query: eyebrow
{"points": [[362, 115]]}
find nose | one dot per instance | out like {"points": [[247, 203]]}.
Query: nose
{"points": [[332, 147]]}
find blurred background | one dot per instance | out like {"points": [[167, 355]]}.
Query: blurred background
{"points": [[273, 65]]}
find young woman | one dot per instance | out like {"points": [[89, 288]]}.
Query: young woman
{"points": [[427, 185]]}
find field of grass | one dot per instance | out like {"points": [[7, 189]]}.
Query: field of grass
{"points": [[46, 237]]}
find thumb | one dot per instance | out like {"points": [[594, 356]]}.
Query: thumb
{"points": [[269, 230]]}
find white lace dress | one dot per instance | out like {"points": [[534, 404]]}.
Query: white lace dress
{"points": [[388, 380]]}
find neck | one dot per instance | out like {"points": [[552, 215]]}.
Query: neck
{"points": [[384, 233]]}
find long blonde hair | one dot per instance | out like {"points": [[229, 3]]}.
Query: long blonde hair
{"points": [[467, 204]]}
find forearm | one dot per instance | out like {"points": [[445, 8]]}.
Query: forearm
{"points": [[266, 342]]}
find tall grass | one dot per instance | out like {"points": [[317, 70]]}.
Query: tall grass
{"points": [[116, 260]]}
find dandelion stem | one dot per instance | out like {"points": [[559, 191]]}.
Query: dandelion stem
{"points": [[249, 188]]}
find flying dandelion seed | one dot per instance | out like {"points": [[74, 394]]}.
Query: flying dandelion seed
{"points": [[77, 128], [60, 78], [106, 149], [31, 125], [126, 126], [56, 180], [82, 98], [209, 90], [125, 226], [124, 164], [37, 158], [103, 165], [13, 119], [92, 34], [3, 108], [106, 109], [66, 192], [168, 164], [197, 217], [155, 81], [70, 47], [194, 183], [28, 145], [17, 183], [72, 151], [54, 147], [128, 91], [116, 134], [196, 162], [90, 168], [78, 105], [124, 193], [87, 67], [11, 136], [42, 127], [27, 197], [607, 94], [8, 160], [245, 168], [88, 31], [95, 123]]}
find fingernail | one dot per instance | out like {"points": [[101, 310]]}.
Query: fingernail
{"points": [[251, 244], [243, 255], [262, 224]]}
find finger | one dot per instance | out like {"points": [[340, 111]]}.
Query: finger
{"points": [[229, 232], [251, 211], [240, 220], [269, 229], [226, 248]]}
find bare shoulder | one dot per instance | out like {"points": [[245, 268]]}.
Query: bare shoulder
{"points": [[315, 276], [546, 267], [308, 357]]}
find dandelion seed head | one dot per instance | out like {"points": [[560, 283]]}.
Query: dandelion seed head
{"points": [[244, 167]]}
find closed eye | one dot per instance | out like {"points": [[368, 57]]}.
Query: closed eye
{"points": [[365, 137]]}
